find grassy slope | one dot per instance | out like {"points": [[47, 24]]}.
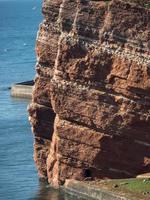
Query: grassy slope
{"points": [[138, 189]]}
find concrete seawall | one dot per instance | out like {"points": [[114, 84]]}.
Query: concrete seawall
{"points": [[85, 191], [22, 90], [112, 189]]}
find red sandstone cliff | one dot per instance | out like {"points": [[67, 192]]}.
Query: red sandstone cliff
{"points": [[90, 111]]}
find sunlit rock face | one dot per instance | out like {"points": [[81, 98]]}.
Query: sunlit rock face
{"points": [[90, 110]]}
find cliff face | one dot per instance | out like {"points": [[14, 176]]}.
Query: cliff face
{"points": [[90, 111]]}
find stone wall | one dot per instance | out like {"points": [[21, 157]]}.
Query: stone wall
{"points": [[90, 111]]}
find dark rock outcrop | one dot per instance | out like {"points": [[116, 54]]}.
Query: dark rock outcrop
{"points": [[90, 111]]}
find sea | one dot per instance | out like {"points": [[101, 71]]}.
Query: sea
{"points": [[19, 21]]}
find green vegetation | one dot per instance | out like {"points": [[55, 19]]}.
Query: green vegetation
{"points": [[136, 189], [133, 185], [143, 3], [147, 5]]}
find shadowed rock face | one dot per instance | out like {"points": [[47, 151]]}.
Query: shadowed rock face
{"points": [[90, 111]]}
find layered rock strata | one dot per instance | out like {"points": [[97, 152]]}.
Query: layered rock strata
{"points": [[90, 111]]}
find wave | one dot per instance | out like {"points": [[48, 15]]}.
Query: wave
{"points": [[20, 63], [4, 88]]}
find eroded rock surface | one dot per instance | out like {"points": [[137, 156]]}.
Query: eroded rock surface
{"points": [[90, 111]]}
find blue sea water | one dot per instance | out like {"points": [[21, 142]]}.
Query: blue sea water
{"points": [[19, 21]]}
